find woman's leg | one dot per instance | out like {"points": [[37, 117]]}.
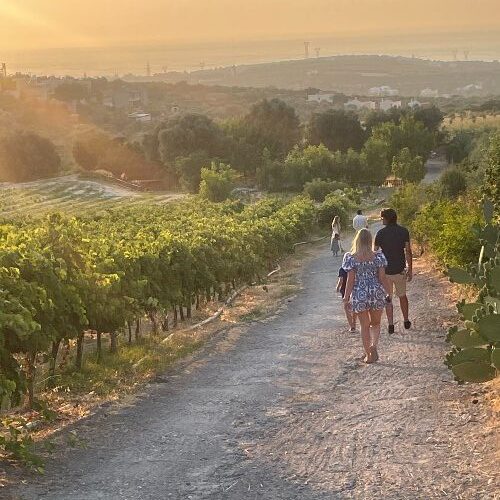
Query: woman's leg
{"points": [[364, 321], [375, 317]]}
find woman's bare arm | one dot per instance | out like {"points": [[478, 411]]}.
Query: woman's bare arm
{"points": [[382, 278]]}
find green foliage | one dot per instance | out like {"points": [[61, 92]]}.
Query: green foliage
{"points": [[318, 189], [272, 124], [338, 130], [26, 156], [453, 183], [186, 134], [407, 167], [188, 169], [475, 355], [60, 276], [408, 200], [333, 205], [431, 117], [15, 439], [217, 182], [448, 228], [491, 187], [409, 134]]}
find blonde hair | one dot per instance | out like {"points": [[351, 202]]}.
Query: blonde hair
{"points": [[362, 245]]}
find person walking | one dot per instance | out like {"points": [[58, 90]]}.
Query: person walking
{"points": [[359, 221], [367, 290], [335, 244], [394, 241], [336, 231], [341, 285]]}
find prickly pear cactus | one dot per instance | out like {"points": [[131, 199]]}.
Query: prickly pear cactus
{"points": [[475, 356]]}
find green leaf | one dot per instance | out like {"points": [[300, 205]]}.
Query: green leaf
{"points": [[489, 327], [488, 210], [494, 301], [464, 339], [494, 278], [490, 234], [467, 310], [495, 357], [461, 276], [472, 371], [475, 354]]}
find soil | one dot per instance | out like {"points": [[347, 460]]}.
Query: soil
{"points": [[280, 407]]}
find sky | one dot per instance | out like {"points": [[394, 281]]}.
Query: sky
{"points": [[40, 24]]}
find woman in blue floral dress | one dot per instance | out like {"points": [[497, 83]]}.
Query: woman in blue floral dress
{"points": [[367, 289]]}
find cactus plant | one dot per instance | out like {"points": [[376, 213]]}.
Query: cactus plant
{"points": [[475, 356]]}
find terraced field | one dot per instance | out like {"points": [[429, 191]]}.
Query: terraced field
{"points": [[70, 194]]}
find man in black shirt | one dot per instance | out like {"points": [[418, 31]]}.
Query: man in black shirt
{"points": [[394, 240]]}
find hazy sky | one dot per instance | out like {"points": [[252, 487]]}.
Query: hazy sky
{"points": [[28, 24]]}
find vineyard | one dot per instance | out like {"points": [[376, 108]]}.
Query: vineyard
{"points": [[71, 195], [61, 277]]}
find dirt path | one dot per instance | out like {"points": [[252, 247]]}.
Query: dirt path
{"points": [[285, 411]]}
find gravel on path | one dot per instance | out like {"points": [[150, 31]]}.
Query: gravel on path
{"points": [[287, 411]]}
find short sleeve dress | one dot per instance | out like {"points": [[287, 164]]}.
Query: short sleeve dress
{"points": [[368, 292]]}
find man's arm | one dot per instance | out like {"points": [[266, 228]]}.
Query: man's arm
{"points": [[409, 261], [376, 245]]}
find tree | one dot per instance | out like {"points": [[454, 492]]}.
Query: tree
{"points": [[431, 117], [408, 167], [71, 91], [338, 130], [26, 156], [459, 146], [376, 117], [409, 134], [186, 134], [89, 147], [375, 162], [217, 182], [272, 124], [453, 183], [188, 169]]}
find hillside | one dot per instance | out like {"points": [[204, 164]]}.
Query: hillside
{"points": [[70, 194], [354, 75]]}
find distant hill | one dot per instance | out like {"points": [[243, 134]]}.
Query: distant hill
{"points": [[355, 75]]}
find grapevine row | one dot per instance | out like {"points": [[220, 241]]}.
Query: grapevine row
{"points": [[61, 276]]}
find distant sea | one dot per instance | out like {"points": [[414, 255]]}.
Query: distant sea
{"points": [[110, 61]]}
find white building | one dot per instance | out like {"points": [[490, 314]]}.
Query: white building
{"points": [[387, 104], [429, 93], [140, 117], [357, 105], [414, 104], [320, 98], [383, 90]]}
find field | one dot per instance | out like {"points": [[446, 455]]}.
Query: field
{"points": [[468, 122], [72, 195]]}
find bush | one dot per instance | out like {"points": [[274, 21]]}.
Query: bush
{"points": [[26, 156], [333, 205], [217, 182], [453, 183], [448, 228], [318, 189], [408, 200]]}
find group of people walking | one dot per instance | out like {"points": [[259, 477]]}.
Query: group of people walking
{"points": [[371, 273]]}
